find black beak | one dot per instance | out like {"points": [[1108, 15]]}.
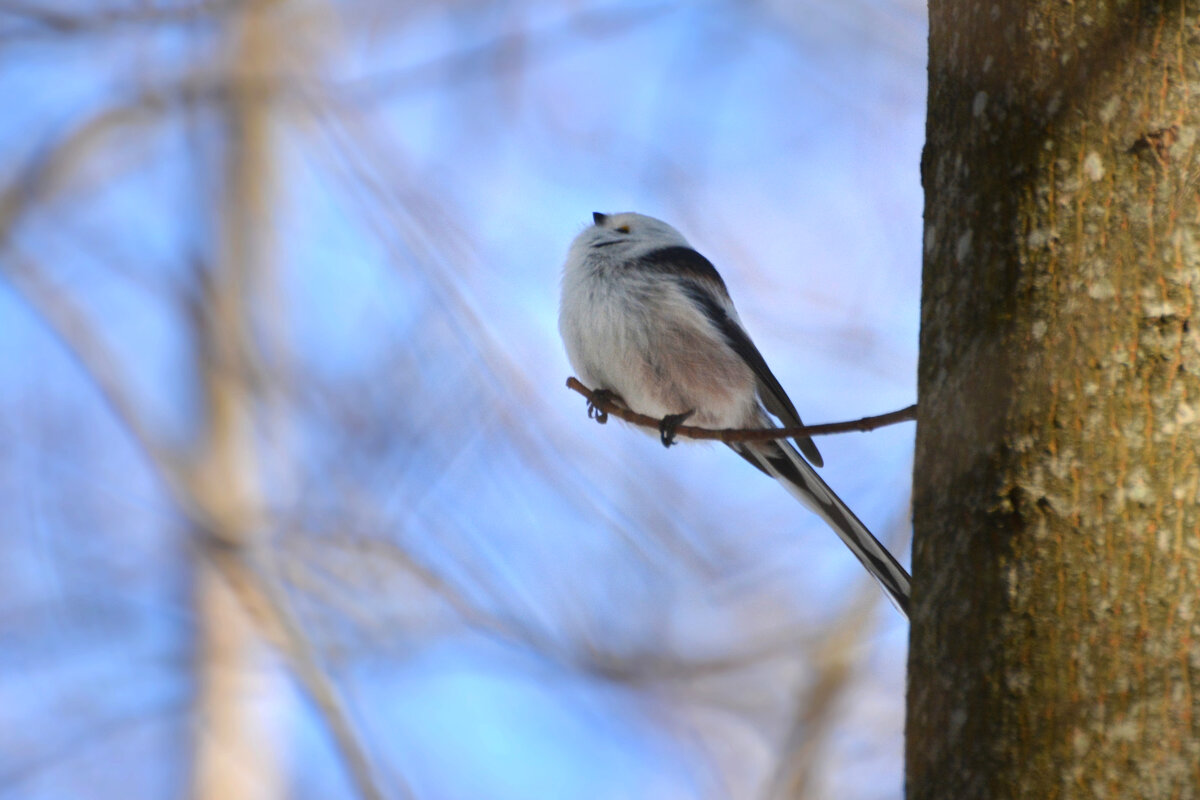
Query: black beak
{"points": [[599, 218]]}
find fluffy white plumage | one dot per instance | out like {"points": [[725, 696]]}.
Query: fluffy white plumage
{"points": [[646, 317]]}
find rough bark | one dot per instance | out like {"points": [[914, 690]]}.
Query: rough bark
{"points": [[1055, 646]]}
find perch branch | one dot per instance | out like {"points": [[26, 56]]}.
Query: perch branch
{"points": [[606, 405]]}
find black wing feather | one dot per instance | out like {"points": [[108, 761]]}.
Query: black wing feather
{"points": [[683, 261], [690, 265]]}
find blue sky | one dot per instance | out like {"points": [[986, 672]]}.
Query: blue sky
{"points": [[424, 196]]}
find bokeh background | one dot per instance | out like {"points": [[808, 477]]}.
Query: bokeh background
{"points": [[294, 500]]}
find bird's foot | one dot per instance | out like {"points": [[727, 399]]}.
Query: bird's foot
{"points": [[601, 396], [669, 424]]}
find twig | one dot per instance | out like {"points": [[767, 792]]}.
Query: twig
{"points": [[59, 22], [53, 161], [264, 599], [80, 336], [607, 406], [505, 52]]}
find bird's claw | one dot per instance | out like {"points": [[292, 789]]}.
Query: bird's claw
{"points": [[595, 411], [669, 424]]}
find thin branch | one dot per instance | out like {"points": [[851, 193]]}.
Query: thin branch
{"points": [[605, 406], [258, 591], [505, 52], [835, 661], [263, 598], [58, 158], [488, 619], [38, 19], [80, 337]]}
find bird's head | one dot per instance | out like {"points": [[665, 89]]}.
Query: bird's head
{"points": [[628, 235]]}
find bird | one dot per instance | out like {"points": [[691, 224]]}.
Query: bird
{"points": [[648, 321]]}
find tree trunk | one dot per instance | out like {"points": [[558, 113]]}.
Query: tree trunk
{"points": [[237, 746], [1055, 646]]}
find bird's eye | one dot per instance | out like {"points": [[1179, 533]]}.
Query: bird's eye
{"points": [[622, 229]]}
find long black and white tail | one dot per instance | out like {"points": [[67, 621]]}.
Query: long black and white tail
{"points": [[779, 460]]}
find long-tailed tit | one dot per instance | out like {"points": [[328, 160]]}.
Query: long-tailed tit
{"points": [[649, 320]]}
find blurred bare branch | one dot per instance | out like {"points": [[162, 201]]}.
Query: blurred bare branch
{"points": [[52, 163], [53, 21], [306, 562], [261, 594], [508, 52], [82, 338], [834, 656], [227, 469], [277, 257]]}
